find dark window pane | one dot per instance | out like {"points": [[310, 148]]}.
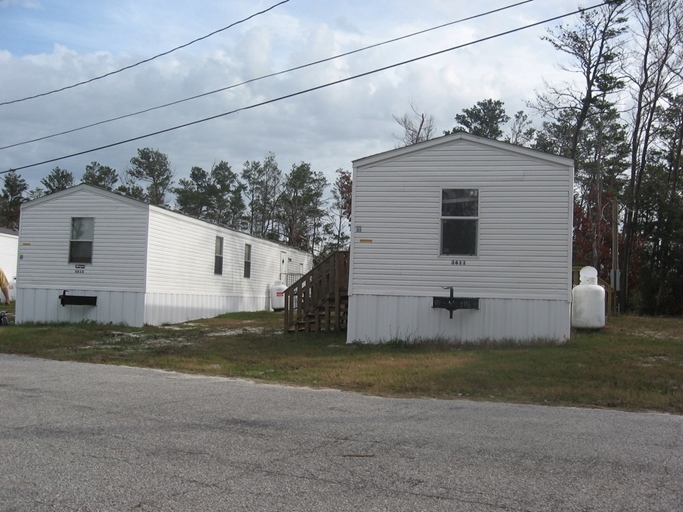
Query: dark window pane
{"points": [[459, 237], [459, 202], [247, 260], [218, 265], [80, 252]]}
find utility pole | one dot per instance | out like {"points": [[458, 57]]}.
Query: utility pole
{"points": [[615, 276]]}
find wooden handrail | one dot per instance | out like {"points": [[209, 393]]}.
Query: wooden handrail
{"points": [[316, 295]]}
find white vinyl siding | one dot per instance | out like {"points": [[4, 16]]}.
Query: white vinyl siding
{"points": [[118, 262], [524, 241], [176, 256], [181, 284]]}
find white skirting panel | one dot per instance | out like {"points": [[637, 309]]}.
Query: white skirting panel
{"points": [[170, 308], [43, 306], [377, 319], [129, 308]]}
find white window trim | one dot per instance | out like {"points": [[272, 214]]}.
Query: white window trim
{"points": [[447, 217]]}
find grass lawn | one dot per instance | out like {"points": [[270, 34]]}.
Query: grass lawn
{"points": [[634, 363]]}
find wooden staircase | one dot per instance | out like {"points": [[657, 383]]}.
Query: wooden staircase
{"points": [[319, 300]]}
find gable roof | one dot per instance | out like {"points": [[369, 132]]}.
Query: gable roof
{"points": [[141, 205], [462, 137], [90, 188]]}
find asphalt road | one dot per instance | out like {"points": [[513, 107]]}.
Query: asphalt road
{"points": [[89, 438]]}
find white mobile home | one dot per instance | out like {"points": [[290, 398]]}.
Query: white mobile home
{"points": [[89, 254], [461, 238], [9, 244]]}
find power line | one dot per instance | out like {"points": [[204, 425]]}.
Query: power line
{"points": [[145, 60], [252, 80], [305, 91]]}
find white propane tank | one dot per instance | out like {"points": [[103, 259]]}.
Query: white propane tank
{"points": [[277, 296], [588, 301]]}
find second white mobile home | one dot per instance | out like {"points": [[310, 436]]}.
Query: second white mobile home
{"points": [[461, 238]]}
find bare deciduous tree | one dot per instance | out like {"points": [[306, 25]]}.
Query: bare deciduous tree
{"points": [[418, 127], [522, 132], [658, 60]]}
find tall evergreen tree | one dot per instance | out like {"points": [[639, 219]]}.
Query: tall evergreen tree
{"points": [[583, 123], [601, 157], [661, 216], [214, 197], [191, 194], [225, 191], [100, 176], [485, 119], [58, 179], [301, 207], [152, 167], [262, 187], [595, 47], [13, 194], [338, 216]]}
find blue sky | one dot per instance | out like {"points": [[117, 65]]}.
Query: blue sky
{"points": [[48, 44]]}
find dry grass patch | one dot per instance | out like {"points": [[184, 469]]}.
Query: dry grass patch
{"points": [[390, 375], [635, 363], [663, 328]]}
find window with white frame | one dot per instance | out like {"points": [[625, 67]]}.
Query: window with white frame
{"points": [[81, 240], [247, 260], [459, 221], [218, 259]]}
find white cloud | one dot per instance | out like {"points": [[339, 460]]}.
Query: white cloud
{"points": [[26, 4], [329, 128]]}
